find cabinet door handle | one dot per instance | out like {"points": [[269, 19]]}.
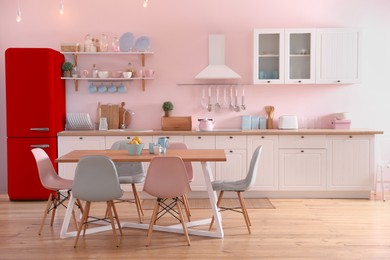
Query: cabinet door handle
{"points": [[231, 137], [262, 137], [268, 81], [81, 138], [299, 81], [46, 129], [230, 151], [338, 81], [350, 136], [302, 136], [302, 151], [199, 137], [128, 137]]}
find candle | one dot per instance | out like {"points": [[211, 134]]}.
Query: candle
{"points": [[209, 92], [204, 92], [236, 92], [217, 91], [243, 91]]}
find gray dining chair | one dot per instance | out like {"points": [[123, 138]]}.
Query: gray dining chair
{"points": [[239, 187], [130, 173], [96, 180]]}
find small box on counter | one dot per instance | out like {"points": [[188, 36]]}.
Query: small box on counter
{"points": [[262, 123], [176, 123], [246, 122], [255, 122], [341, 124]]}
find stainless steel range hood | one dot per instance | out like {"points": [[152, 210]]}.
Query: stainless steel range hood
{"points": [[217, 68]]}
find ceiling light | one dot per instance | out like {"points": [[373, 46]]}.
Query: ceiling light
{"points": [[18, 14], [61, 7], [145, 3]]}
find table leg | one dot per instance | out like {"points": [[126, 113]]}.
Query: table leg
{"points": [[213, 198], [68, 215]]}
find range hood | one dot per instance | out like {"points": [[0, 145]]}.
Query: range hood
{"points": [[217, 68]]}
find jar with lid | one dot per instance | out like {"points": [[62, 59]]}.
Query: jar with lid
{"points": [[103, 43], [87, 43], [115, 44], [94, 71]]}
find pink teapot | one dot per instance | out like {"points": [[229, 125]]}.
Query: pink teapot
{"points": [[206, 124]]}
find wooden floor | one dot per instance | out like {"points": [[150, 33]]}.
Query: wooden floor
{"points": [[295, 229]]}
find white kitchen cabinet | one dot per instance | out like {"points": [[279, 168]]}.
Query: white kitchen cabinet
{"points": [[302, 162], [268, 56], [235, 166], [267, 175], [350, 162], [302, 169], [67, 144], [338, 56], [299, 56], [200, 142]]}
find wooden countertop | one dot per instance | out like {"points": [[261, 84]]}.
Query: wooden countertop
{"points": [[221, 132]]}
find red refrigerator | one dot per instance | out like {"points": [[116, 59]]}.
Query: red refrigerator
{"points": [[35, 96]]}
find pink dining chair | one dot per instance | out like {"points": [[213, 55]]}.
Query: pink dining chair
{"points": [[167, 179], [190, 174], [51, 181]]}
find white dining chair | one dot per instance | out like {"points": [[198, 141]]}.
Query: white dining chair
{"points": [[96, 180], [239, 187], [130, 173]]}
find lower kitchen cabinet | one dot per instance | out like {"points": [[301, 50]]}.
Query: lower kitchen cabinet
{"points": [[350, 162], [267, 173], [302, 169], [67, 144], [199, 142]]}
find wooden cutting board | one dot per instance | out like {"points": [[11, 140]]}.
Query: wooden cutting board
{"points": [[111, 112]]}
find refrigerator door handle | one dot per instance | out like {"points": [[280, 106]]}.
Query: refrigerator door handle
{"points": [[40, 146], [39, 129]]}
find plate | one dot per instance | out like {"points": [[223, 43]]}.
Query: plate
{"points": [[126, 41], [142, 43]]}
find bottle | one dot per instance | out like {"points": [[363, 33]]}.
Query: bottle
{"points": [[94, 71], [103, 43], [87, 43], [115, 44]]}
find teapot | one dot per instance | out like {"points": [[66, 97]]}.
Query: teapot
{"points": [[206, 124]]}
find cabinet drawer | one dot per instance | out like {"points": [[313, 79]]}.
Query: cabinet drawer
{"points": [[302, 141], [230, 142], [200, 142]]}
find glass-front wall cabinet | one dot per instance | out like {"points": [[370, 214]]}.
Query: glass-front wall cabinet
{"points": [[268, 58], [300, 56]]}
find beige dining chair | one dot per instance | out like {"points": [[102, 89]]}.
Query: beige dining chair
{"points": [[167, 179], [190, 174], [96, 180], [239, 187], [51, 181], [130, 173]]}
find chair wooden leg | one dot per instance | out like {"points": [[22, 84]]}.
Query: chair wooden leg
{"points": [[109, 208], [55, 199], [83, 220], [152, 220], [49, 201], [74, 219], [87, 216], [137, 203], [244, 210], [117, 218], [218, 203], [186, 204], [183, 223]]}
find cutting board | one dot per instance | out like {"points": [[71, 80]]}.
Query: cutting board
{"points": [[111, 112], [176, 123]]}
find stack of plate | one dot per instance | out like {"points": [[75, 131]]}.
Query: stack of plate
{"points": [[78, 121]]}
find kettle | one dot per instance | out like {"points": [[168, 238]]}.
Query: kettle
{"points": [[206, 124]]}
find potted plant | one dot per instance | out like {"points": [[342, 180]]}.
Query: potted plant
{"points": [[167, 107], [67, 68]]}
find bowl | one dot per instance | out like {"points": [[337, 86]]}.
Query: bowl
{"points": [[134, 149], [103, 74], [343, 116], [127, 74], [116, 74]]}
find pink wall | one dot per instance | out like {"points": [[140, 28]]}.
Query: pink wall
{"points": [[179, 34]]}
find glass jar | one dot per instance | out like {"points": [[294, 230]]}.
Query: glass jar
{"points": [[103, 43], [115, 44]]}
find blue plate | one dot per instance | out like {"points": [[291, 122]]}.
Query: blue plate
{"points": [[142, 43], [126, 41]]}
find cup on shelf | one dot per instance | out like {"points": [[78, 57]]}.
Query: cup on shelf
{"points": [[140, 73], [149, 73], [112, 88], [102, 88], [127, 74], [84, 73], [122, 88], [92, 88]]}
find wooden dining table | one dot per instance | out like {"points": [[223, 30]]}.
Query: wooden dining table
{"points": [[204, 156]]}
